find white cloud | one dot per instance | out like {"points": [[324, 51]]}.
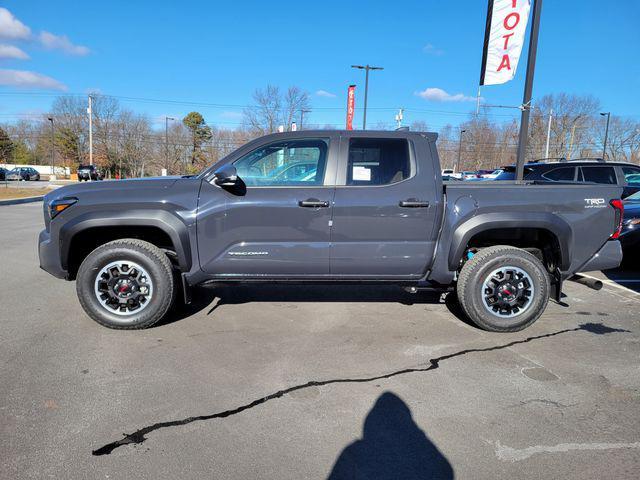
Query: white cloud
{"points": [[9, 51], [324, 93], [26, 79], [11, 27], [439, 95], [61, 42], [431, 49]]}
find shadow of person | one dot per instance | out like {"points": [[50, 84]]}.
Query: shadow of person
{"points": [[392, 446]]}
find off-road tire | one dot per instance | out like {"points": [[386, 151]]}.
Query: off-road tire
{"points": [[149, 257], [475, 272]]}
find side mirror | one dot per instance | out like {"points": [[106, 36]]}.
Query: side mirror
{"points": [[226, 176]]}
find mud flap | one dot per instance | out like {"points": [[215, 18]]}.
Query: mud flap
{"points": [[556, 285], [186, 289]]}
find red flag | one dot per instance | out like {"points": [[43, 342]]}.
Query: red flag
{"points": [[351, 106]]}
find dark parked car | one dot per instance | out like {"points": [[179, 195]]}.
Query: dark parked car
{"points": [[372, 209], [88, 172], [23, 173], [630, 234], [3, 173], [607, 173]]}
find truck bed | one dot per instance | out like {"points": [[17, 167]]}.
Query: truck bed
{"points": [[580, 214]]}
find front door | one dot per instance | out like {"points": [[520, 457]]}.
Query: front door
{"points": [[384, 213], [277, 225]]}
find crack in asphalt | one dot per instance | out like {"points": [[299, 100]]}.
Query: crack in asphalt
{"points": [[140, 435]]}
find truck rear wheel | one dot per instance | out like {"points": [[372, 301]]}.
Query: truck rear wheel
{"points": [[126, 284], [503, 289]]}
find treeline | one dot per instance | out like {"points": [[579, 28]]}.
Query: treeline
{"points": [[125, 143]]}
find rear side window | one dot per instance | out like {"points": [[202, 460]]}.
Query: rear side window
{"points": [[562, 174], [606, 175], [374, 161]]}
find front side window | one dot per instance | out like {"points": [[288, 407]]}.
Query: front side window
{"points": [[288, 163], [562, 174], [605, 175], [378, 161]]}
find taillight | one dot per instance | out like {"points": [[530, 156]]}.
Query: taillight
{"points": [[618, 206]]}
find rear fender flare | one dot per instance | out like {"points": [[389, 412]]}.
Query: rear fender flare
{"points": [[490, 221]]}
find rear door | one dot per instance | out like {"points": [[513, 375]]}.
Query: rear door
{"points": [[385, 208]]}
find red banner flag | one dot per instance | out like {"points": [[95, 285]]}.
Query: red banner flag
{"points": [[351, 106]]}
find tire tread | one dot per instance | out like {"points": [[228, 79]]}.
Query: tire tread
{"points": [[469, 272], [155, 255]]}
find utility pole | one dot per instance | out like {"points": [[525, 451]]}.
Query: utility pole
{"points": [[90, 112], [528, 89], [546, 152], [302, 112], [366, 68], [166, 143], [606, 134], [399, 118], [53, 147], [459, 150]]}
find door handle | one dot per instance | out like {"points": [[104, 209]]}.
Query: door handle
{"points": [[313, 203], [411, 203]]}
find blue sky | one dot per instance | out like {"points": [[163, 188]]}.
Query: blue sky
{"points": [[219, 52]]}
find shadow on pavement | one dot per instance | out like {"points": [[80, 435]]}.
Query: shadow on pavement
{"points": [[210, 298], [392, 446]]}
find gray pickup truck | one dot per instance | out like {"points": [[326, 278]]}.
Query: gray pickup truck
{"points": [[328, 206]]}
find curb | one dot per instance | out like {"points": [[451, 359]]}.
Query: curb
{"points": [[16, 201]]}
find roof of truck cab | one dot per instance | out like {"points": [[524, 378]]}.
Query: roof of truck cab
{"points": [[432, 136]]}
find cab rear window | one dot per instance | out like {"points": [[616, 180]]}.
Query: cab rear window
{"points": [[597, 174]]}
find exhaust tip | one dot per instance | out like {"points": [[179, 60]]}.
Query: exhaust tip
{"points": [[592, 283]]}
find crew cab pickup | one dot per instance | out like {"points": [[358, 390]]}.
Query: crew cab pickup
{"points": [[328, 206]]}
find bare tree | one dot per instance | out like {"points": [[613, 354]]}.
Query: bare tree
{"points": [[295, 101], [273, 109]]}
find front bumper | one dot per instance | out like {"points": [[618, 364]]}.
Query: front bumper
{"points": [[609, 256], [49, 253]]}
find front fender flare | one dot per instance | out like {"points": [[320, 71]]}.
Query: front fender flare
{"points": [[168, 223]]}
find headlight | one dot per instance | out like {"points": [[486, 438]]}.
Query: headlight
{"points": [[60, 204]]}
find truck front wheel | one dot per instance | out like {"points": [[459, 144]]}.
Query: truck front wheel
{"points": [[126, 284], [503, 288]]}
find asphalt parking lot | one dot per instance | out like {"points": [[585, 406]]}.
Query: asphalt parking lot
{"points": [[285, 382]]}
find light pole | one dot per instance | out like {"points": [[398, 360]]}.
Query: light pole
{"points": [[166, 143], [302, 112], [546, 151], [523, 137], [459, 150], [366, 68], [90, 113], [53, 147], [606, 134]]}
